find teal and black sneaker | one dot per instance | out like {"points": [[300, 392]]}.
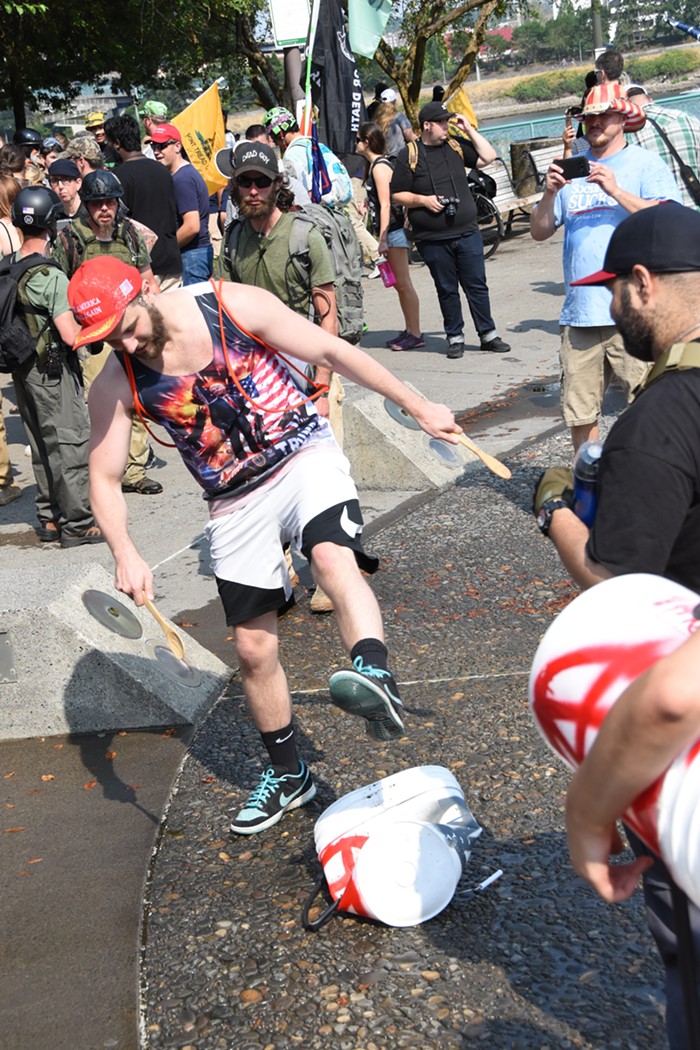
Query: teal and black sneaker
{"points": [[371, 693], [272, 798]]}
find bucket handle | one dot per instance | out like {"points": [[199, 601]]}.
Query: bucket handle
{"points": [[314, 925]]}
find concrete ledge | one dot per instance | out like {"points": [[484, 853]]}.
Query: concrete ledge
{"points": [[386, 456], [74, 675]]}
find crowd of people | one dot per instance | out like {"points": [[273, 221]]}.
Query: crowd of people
{"points": [[108, 228]]}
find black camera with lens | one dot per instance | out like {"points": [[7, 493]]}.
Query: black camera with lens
{"points": [[451, 204]]}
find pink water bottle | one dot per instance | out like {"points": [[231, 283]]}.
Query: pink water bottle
{"points": [[388, 275]]}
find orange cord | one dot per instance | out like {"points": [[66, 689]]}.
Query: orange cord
{"points": [[321, 388]]}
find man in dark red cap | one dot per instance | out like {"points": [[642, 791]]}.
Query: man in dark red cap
{"points": [[212, 372], [648, 516], [192, 198]]}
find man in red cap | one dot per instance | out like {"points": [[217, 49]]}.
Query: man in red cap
{"points": [[212, 373], [648, 516], [192, 198], [623, 179]]}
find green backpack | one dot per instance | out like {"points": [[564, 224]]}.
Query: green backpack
{"points": [[339, 235]]}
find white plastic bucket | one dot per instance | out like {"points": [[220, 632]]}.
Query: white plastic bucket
{"points": [[395, 849], [403, 876], [431, 792], [600, 643]]}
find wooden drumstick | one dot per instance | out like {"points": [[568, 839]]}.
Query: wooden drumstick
{"points": [[491, 462]]}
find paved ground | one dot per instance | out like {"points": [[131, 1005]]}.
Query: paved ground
{"points": [[221, 960]]}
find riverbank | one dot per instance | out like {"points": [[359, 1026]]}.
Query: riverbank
{"points": [[490, 99]]}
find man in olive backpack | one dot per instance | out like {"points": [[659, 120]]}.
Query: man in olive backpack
{"points": [[99, 228], [47, 383]]}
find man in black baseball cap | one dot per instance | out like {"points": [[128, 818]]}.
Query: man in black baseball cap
{"points": [[433, 111], [246, 157], [430, 180], [648, 515]]}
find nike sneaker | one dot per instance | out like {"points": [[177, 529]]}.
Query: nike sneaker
{"points": [[271, 799], [371, 693]]}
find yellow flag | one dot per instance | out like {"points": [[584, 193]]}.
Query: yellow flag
{"points": [[202, 128], [459, 103]]}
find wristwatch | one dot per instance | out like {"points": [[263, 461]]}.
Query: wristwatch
{"points": [[544, 515]]}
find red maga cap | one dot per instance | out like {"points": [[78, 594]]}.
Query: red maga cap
{"points": [[99, 293], [164, 133]]}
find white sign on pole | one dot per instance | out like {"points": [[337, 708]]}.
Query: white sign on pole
{"points": [[290, 22]]}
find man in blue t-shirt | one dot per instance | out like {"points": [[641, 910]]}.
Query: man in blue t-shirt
{"points": [[192, 198], [623, 179]]}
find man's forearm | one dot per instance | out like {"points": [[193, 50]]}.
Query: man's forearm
{"points": [[570, 536], [542, 224], [656, 717], [404, 199]]}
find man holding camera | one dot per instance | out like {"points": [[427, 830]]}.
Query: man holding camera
{"points": [[430, 179], [621, 180]]}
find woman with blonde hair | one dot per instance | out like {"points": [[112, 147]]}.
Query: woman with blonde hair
{"points": [[395, 126], [387, 222]]}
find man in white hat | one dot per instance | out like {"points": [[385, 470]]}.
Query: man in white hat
{"points": [[623, 179]]}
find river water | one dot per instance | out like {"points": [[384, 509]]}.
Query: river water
{"points": [[550, 123]]}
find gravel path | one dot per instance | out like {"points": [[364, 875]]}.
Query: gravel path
{"points": [[468, 586]]}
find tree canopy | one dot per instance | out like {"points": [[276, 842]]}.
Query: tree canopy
{"points": [[48, 51]]}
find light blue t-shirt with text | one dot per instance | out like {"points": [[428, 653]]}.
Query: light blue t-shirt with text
{"points": [[589, 216]]}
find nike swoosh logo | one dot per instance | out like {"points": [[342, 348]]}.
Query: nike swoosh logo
{"points": [[281, 739], [286, 799], [350, 527]]}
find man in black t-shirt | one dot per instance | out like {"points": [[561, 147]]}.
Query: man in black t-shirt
{"points": [[648, 516], [433, 185], [149, 194]]}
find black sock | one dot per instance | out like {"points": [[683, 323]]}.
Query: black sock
{"points": [[372, 652], [282, 749]]}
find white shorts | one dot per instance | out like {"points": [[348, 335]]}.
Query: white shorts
{"points": [[310, 500]]}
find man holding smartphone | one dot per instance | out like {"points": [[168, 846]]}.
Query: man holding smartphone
{"points": [[623, 179]]}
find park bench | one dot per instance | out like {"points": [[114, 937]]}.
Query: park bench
{"points": [[507, 200]]}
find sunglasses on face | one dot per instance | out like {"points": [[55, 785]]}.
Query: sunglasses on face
{"points": [[261, 182], [158, 147]]}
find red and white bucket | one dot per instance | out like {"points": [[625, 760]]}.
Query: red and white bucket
{"points": [[600, 643], [395, 850]]}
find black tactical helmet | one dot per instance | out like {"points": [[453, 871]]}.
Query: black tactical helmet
{"points": [[101, 185], [27, 137], [36, 208]]}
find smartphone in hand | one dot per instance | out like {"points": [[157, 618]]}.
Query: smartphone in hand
{"points": [[574, 167]]}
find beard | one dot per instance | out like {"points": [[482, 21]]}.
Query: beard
{"points": [[256, 207], [159, 336], [637, 333], [104, 229]]}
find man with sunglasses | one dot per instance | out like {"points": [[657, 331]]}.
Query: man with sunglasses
{"points": [[262, 255], [149, 195], [192, 198], [197, 358]]}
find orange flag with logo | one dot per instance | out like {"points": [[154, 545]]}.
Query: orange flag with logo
{"points": [[459, 103], [202, 128]]}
